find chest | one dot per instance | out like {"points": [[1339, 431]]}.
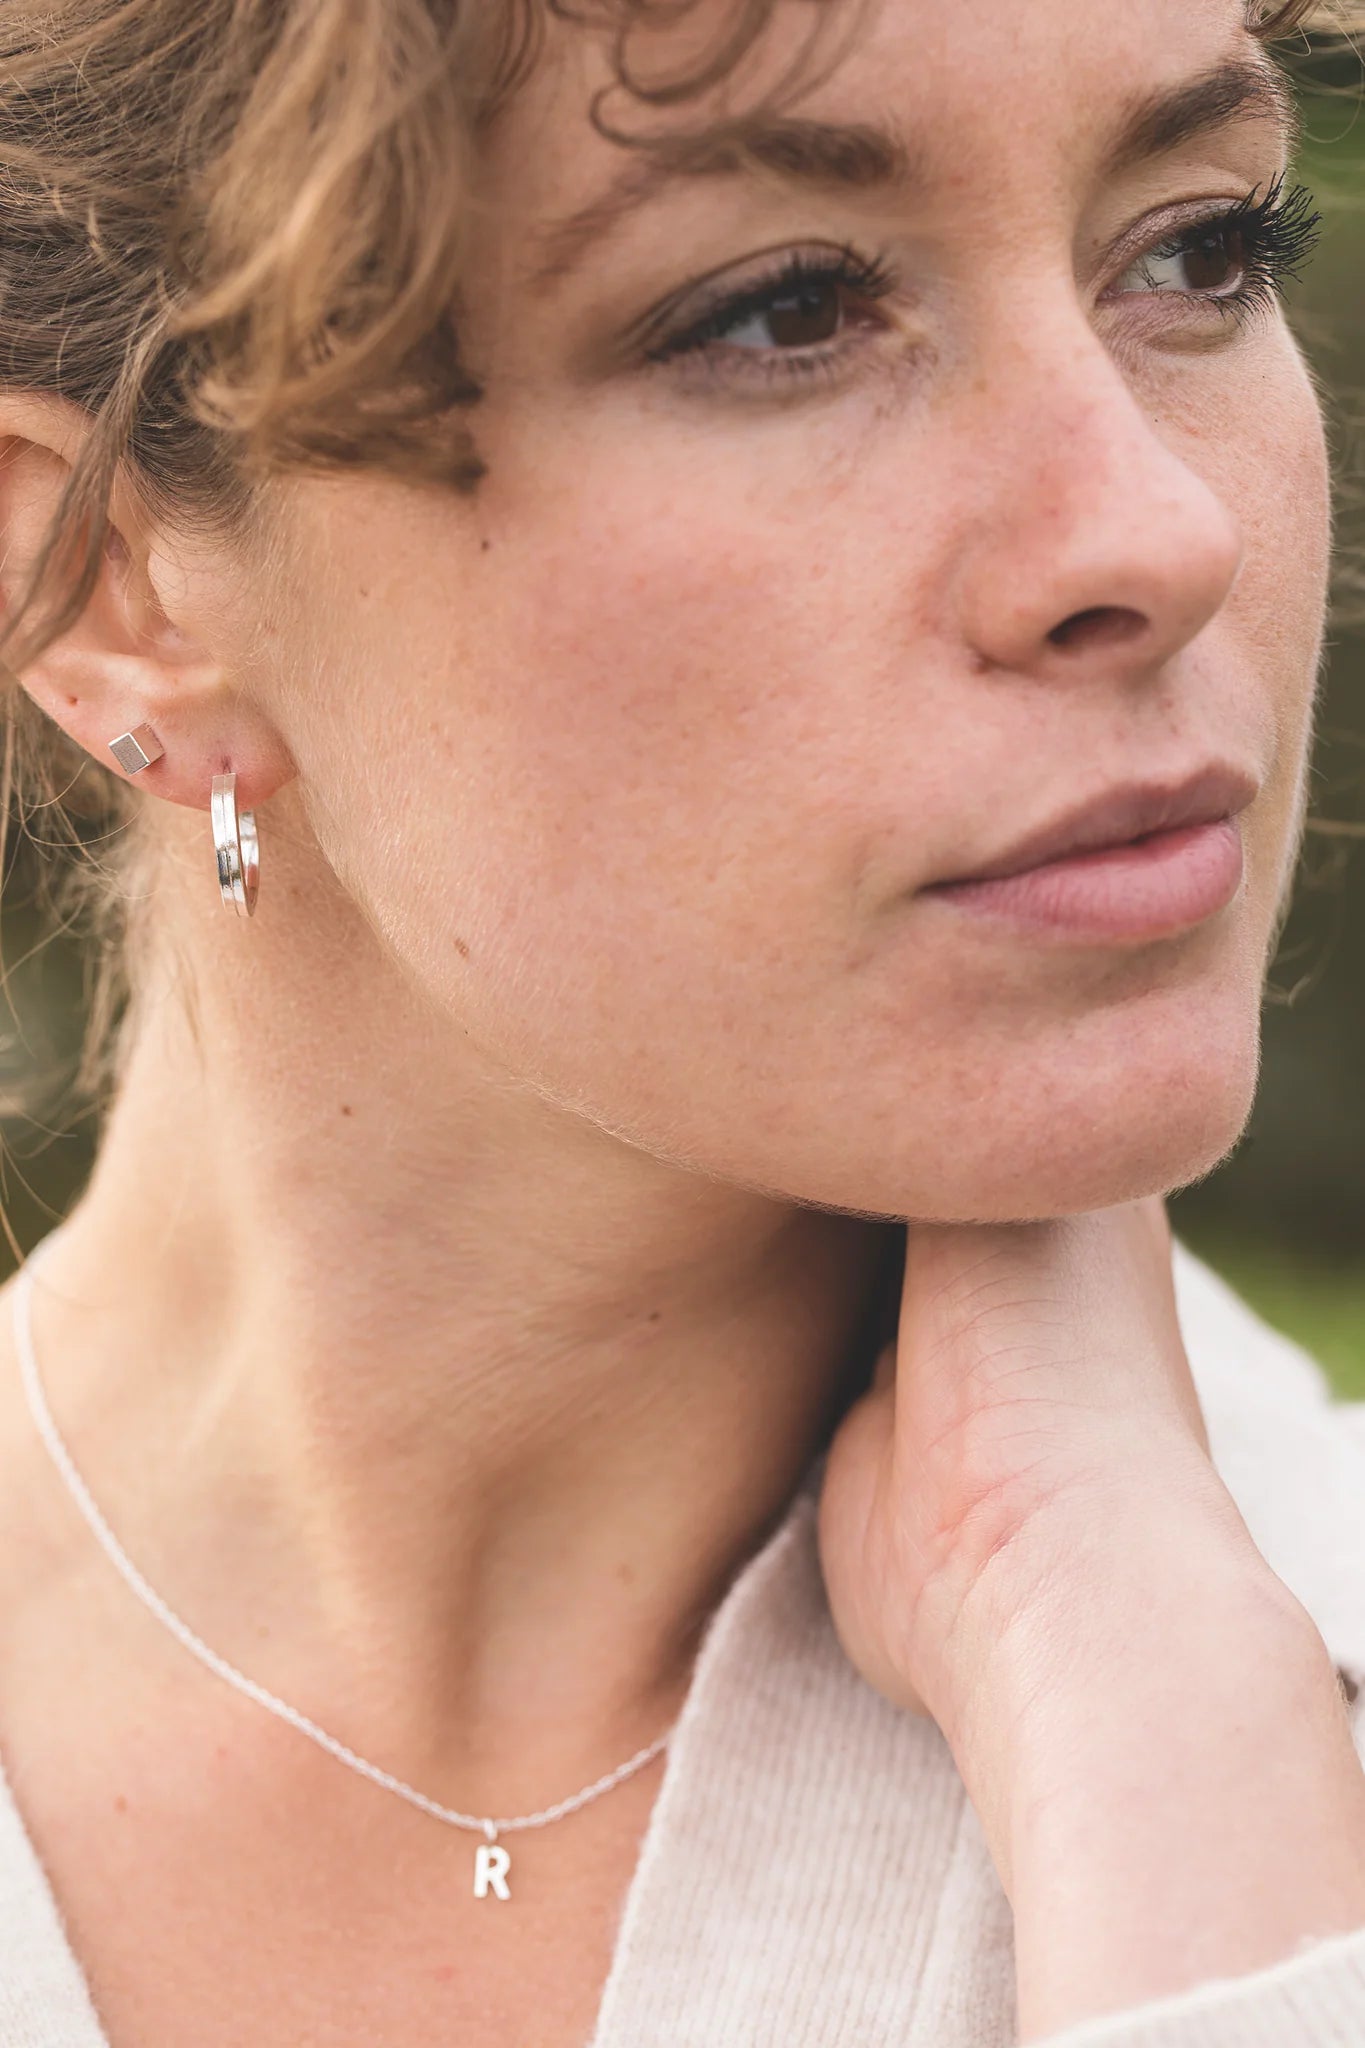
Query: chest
{"points": [[317, 1962], [215, 1899]]}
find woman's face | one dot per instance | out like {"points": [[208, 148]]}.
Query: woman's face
{"points": [[865, 513]]}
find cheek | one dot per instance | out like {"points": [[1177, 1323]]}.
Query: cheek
{"points": [[1277, 479], [1280, 487], [1260, 442], [631, 766], [691, 708], [1288, 562]]}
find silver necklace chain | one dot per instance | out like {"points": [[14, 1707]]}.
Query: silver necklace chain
{"points": [[151, 1599]]}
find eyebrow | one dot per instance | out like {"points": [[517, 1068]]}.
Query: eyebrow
{"points": [[1245, 89], [855, 157], [847, 157]]}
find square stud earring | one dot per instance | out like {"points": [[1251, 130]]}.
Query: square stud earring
{"points": [[136, 749]]}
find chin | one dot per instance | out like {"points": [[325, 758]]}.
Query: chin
{"points": [[1068, 1116], [1160, 1163], [1093, 1139]]}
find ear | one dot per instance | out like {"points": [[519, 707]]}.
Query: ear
{"points": [[152, 645]]}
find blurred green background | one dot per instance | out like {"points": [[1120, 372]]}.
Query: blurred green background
{"points": [[1285, 1218]]}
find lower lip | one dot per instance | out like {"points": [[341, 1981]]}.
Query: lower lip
{"points": [[1153, 888]]}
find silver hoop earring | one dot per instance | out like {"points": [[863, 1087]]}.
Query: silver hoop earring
{"points": [[237, 847]]}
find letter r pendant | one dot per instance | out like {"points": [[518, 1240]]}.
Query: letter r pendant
{"points": [[491, 1865]]}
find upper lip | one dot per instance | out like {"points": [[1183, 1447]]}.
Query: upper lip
{"points": [[1118, 816]]}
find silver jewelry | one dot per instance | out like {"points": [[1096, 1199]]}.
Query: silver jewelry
{"points": [[491, 1861], [137, 749], [237, 847]]}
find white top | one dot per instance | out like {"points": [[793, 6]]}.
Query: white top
{"points": [[813, 1875]]}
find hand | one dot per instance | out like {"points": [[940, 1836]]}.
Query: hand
{"points": [[1021, 1530], [1041, 1379]]}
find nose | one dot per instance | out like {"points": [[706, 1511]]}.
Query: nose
{"points": [[1096, 550]]}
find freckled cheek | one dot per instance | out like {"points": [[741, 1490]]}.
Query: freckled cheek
{"points": [[1276, 480], [1282, 494], [1283, 501], [702, 654], [729, 686]]}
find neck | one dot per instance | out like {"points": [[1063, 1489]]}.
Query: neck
{"points": [[485, 1405]]}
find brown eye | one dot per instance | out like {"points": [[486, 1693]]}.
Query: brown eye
{"points": [[1215, 260], [805, 317], [1210, 260], [1233, 262], [799, 312]]}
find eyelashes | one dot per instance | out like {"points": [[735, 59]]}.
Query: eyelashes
{"points": [[1265, 241], [1282, 231], [804, 302], [803, 314]]}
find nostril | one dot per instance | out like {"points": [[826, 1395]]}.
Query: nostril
{"points": [[1105, 625]]}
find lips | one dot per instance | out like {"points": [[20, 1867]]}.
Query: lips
{"points": [[1135, 863], [1119, 817]]}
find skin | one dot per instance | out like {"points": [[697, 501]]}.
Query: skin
{"points": [[510, 1194]]}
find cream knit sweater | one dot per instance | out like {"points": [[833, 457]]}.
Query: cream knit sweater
{"points": [[813, 1875]]}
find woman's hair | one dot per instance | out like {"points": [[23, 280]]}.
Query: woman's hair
{"points": [[218, 239]]}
